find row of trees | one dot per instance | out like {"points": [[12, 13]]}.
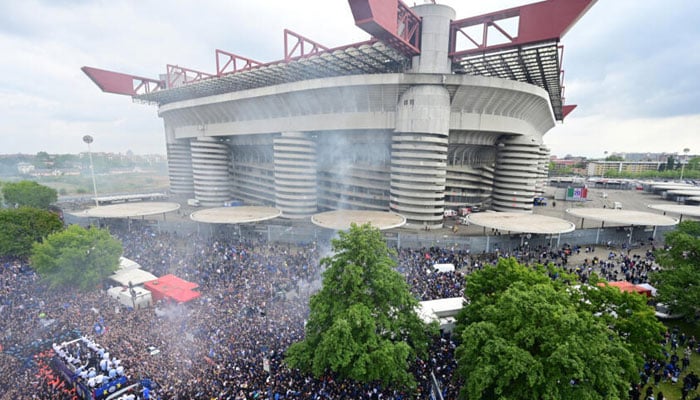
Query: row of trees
{"points": [[524, 332], [671, 170]]}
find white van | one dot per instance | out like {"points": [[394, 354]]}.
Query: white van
{"points": [[617, 205]]}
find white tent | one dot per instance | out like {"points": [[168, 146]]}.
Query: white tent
{"points": [[443, 311], [135, 276], [125, 263], [648, 286]]}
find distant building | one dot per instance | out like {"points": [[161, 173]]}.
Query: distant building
{"points": [[25, 168], [599, 168]]}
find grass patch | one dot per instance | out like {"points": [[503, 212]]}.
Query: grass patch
{"points": [[672, 391], [107, 184]]}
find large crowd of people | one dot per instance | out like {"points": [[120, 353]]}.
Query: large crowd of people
{"points": [[230, 342]]}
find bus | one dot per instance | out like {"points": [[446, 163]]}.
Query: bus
{"points": [[86, 366]]}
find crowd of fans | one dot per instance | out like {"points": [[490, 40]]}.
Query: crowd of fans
{"points": [[230, 342]]}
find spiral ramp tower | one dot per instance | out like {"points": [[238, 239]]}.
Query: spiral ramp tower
{"points": [[542, 171], [295, 174], [419, 156], [517, 171], [211, 163], [180, 167]]}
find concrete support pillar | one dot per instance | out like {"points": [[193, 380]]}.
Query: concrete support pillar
{"points": [[211, 163], [435, 39], [517, 171], [180, 167], [295, 174], [419, 156]]}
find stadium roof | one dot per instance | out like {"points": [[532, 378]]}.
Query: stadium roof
{"points": [[538, 64], [355, 59], [531, 53]]}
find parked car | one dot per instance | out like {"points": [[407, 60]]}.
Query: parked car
{"points": [[540, 201], [662, 311], [476, 208]]}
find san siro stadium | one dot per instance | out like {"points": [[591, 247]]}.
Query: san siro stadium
{"points": [[427, 115]]}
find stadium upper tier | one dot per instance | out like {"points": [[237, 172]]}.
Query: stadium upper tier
{"points": [[537, 64]]}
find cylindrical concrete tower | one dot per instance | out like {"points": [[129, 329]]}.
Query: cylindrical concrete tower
{"points": [[419, 156], [543, 169], [434, 39], [295, 174], [419, 144], [211, 160], [517, 171], [180, 167], [179, 163]]}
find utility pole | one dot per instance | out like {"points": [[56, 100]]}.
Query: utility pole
{"points": [[88, 139]]}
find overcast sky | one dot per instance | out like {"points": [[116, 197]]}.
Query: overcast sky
{"points": [[632, 66]]}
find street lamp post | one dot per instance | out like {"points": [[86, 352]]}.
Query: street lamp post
{"points": [[605, 168], [88, 139], [685, 157]]}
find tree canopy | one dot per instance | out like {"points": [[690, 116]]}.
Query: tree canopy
{"points": [[362, 323], [76, 258], [526, 333], [678, 281], [28, 193], [21, 227]]}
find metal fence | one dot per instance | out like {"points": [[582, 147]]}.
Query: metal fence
{"points": [[305, 234]]}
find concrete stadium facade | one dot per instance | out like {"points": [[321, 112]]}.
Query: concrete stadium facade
{"points": [[416, 140], [415, 143]]}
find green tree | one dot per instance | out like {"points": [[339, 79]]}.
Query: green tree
{"points": [[525, 335], [627, 314], [77, 257], [693, 164], [678, 281], [28, 193], [362, 323], [21, 227], [670, 163]]}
